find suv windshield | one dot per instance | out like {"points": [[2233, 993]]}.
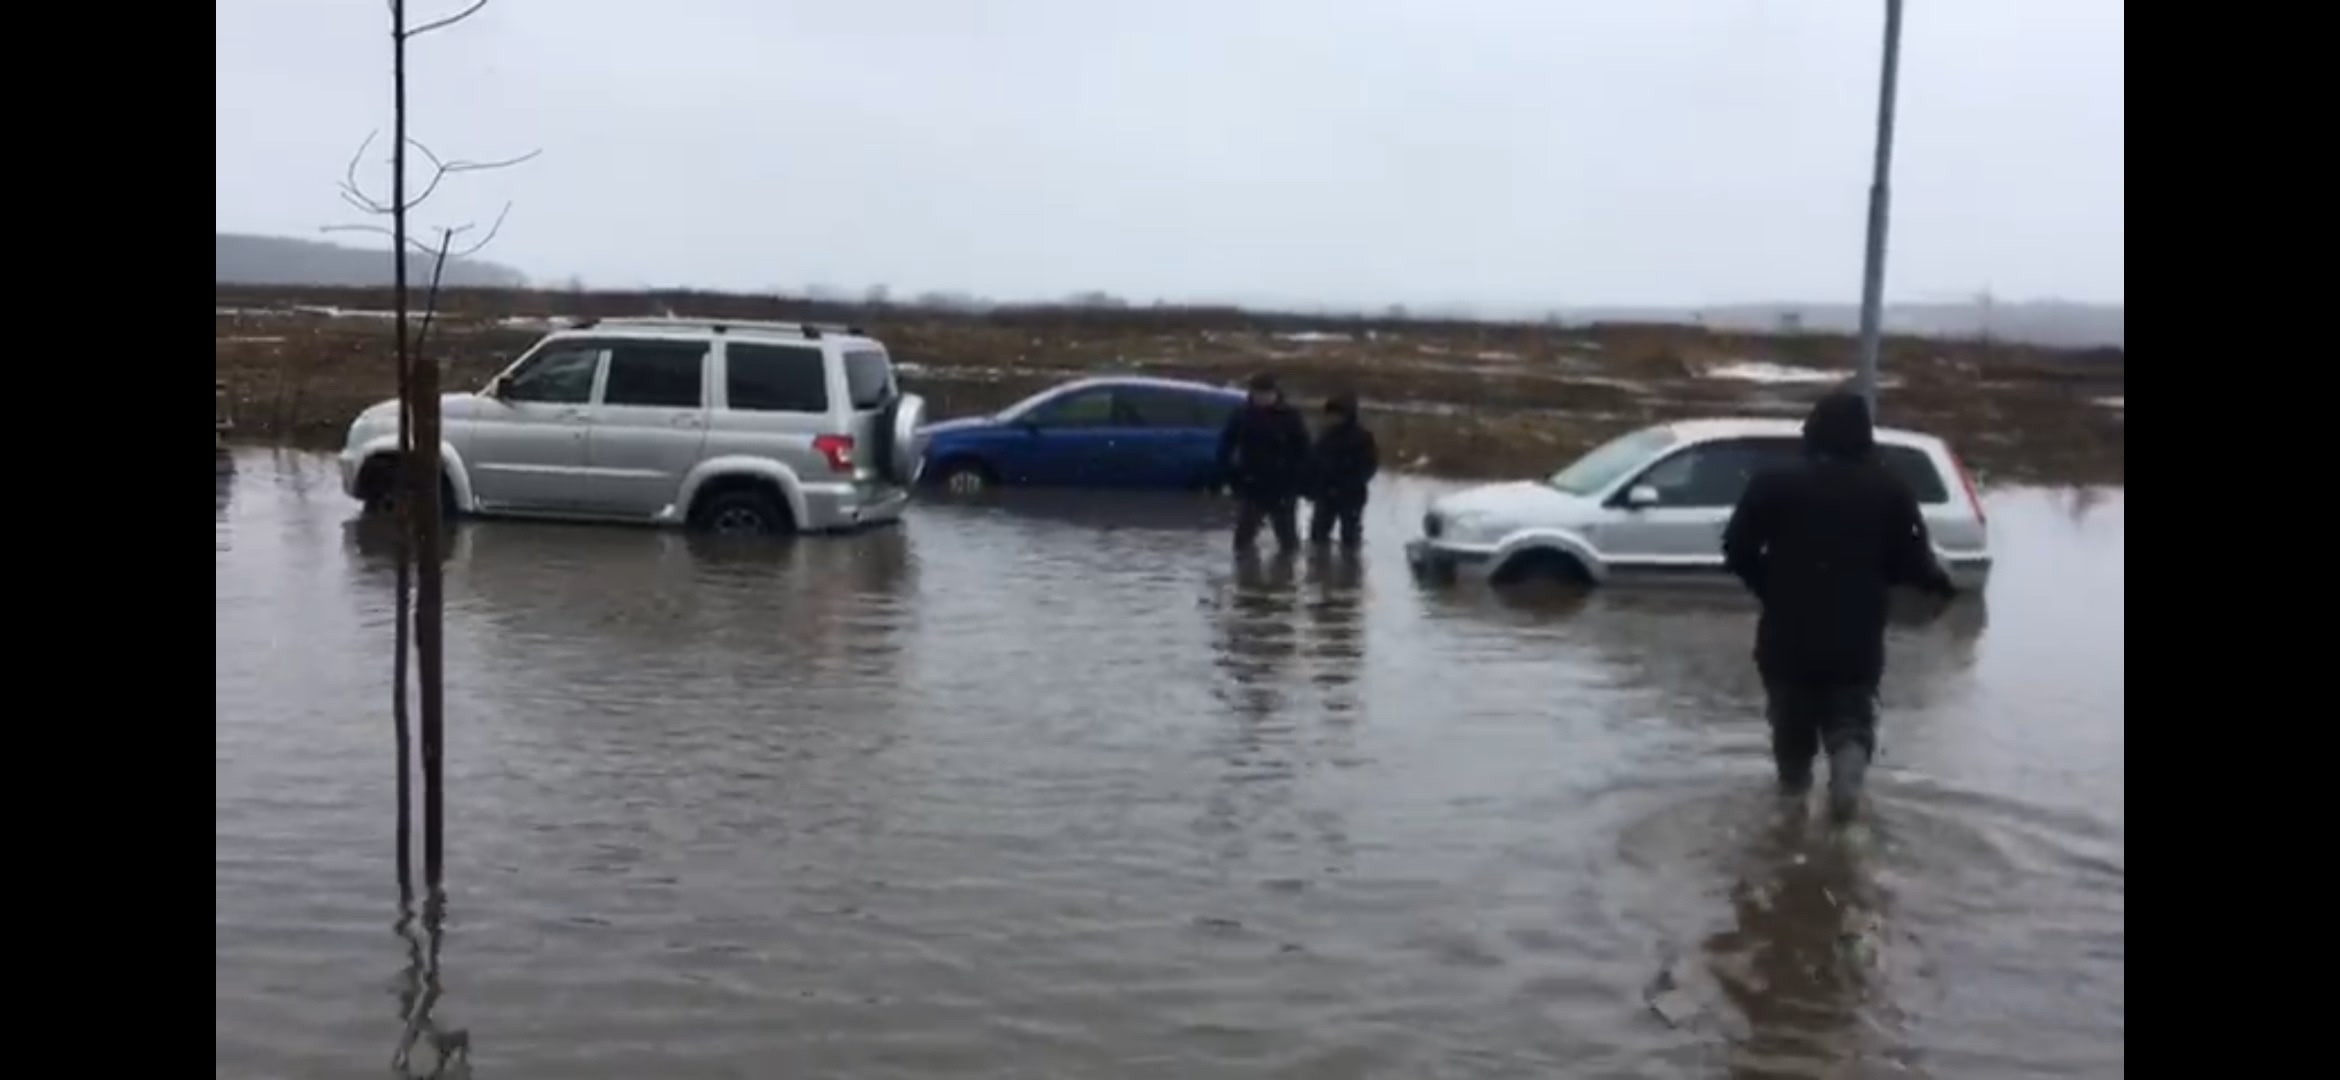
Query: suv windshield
{"points": [[1594, 472]]}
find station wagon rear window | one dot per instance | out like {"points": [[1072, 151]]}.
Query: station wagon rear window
{"points": [[1915, 467]]}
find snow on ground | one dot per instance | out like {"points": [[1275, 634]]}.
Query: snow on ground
{"points": [[1763, 371], [2117, 401]]}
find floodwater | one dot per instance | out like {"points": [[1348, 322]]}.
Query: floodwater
{"points": [[1059, 788]]}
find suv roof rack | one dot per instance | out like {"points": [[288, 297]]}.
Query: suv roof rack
{"points": [[811, 330]]}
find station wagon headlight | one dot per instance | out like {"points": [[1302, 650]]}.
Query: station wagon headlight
{"points": [[1470, 528], [371, 425]]}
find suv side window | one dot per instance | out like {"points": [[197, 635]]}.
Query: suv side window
{"points": [[1713, 475], [1915, 467], [656, 374], [869, 379], [775, 378], [560, 375], [1082, 409]]}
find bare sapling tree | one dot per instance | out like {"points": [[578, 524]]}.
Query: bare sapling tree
{"points": [[419, 466]]}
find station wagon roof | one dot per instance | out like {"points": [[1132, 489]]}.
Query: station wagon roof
{"points": [[1740, 427]]}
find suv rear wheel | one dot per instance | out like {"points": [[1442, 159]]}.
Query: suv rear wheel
{"points": [[740, 511]]}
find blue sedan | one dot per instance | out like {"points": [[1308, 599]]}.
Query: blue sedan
{"points": [[1119, 432]]}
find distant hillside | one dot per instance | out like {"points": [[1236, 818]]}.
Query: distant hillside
{"points": [[275, 260], [2054, 323]]}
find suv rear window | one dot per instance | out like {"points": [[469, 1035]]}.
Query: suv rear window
{"points": [[775, 378], [658, 374], [869, 379], [1915, 467]]}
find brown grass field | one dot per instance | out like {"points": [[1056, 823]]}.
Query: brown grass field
{"points": [[1463, 399]]}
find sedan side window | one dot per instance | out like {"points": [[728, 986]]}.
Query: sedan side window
{"points": [[1163, 409], [560, 376], [1087, 409]]}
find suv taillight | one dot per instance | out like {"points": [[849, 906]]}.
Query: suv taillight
{"points": [[838, 449], [1973, 497]]}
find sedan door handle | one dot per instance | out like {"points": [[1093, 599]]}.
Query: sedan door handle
{"points": [[571, 414], [686, 420]]}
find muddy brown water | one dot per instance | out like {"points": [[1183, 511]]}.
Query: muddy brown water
{"points": [[1059, 788]]}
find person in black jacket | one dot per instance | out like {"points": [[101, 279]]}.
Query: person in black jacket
{"points": [[1263, 452], [1819, 542], [1342, 465]]}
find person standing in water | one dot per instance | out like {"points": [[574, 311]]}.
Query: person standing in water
{"points": [[1263, 452], [1820, 542], [1340, 468]]}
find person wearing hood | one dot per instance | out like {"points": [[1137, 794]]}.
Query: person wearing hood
{"points": [[1340, 468], [1263, 452], [1820, 541]]}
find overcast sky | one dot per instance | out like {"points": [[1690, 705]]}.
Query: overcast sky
{"points": [[1541, 153]]}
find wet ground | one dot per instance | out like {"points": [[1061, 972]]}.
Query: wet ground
{"points": [[1060, 789]]}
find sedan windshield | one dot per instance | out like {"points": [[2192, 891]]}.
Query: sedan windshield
{"points": [[1017, 410], [1609, 462]]}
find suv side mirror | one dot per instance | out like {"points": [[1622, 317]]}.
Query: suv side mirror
{"points": [[1641, 496], [497, 386]]}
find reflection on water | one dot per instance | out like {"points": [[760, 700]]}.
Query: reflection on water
{"points": [[1058, 786], [426, 1050], [1799, 956]]}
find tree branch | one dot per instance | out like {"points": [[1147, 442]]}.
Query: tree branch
{"points": [[356, 196], [442, 24]]}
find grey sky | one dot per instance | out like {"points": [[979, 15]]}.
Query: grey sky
{"points": [[1495, 152]]}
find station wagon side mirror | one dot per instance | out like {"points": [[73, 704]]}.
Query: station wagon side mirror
{"points": [[1641, 496]]}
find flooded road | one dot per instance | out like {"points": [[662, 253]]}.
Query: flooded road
{"points": [[1062, 789]]}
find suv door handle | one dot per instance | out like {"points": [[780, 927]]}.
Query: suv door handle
{"points": [[571, 414], [686, 420]]}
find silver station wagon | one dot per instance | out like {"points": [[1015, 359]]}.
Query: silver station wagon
{"points": [[1651, 505]]}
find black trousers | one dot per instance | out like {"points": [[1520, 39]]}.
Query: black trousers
{"points": [[1347, 514], [1808, 717], [1282, 513]]}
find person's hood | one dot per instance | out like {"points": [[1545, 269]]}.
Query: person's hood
{"points": [[1342, 408], [1838, 427]]}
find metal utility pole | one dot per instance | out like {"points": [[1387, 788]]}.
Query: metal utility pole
{"points": [[1880, 197]]}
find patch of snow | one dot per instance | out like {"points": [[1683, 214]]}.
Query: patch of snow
{"points": [[332, 312], [1762, 371], [2117, 401], [1313, 336], [1496, 354], [255, 339]]}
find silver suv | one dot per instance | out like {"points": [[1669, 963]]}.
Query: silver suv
{"points": [[725, 426]]}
